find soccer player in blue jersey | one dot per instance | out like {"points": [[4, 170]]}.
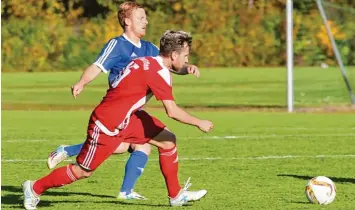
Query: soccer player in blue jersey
{"points": [[115, 55]]}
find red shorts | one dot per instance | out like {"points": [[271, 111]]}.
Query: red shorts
{"points": [[99, 146], [142, 128]]}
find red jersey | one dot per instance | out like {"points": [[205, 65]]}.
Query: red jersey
{"points": [[142, 78]]}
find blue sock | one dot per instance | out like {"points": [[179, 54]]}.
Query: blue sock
{"points": [[73, 149], [134, 168]]}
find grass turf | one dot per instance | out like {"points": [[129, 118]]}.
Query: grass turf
{"points": [[227, 87], [251, 160]]}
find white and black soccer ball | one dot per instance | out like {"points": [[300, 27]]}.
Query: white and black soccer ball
{"points": [[320, 190]]}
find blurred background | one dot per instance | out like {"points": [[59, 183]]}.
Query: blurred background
{"points": [[67, 35], [240, 47]]}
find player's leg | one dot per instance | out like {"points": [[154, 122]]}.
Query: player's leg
{"points": [[96, 149], [168, 159], [61, 153], [123, 148], [134, 166], [144, 128], [65, 151], [59, 177], [133, 170]]}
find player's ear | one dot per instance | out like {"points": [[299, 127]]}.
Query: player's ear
{"points": [[127, 21], [174, 55]]}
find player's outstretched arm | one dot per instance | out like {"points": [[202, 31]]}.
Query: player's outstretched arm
{"points": [[88, 75], [180, 115], [188, 69]]}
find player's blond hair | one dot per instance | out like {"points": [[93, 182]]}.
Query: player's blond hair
{"points": [[174, 41], [125, 11]]}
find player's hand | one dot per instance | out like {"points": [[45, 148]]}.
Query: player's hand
{"points": [[76, 89], [192, 69], [205, 125]]}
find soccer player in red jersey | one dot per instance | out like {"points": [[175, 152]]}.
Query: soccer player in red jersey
{"points": [[119, 118], [113, 58]]}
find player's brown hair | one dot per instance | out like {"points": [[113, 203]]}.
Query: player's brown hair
{"points": [[125, 10], [174, 41]]}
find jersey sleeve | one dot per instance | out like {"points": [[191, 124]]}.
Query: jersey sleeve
{"points": [[107, 57], [154, 50], [159, 82]]}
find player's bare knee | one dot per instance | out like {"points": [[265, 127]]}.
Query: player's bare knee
{"points": [[173, 138], [169, 136], [164, 140], [81, 172], [122, 148], [87, 174], [167, 145], [145, 148]]}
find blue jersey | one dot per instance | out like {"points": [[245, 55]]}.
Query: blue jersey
{"points": [[119, 51]]}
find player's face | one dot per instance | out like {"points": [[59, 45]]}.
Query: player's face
{"points": [[138, 22], [180, 59]]}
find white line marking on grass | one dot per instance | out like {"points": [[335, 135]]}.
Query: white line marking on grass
{"points": [[204, 158], [38, 140], [295, 128], [273, 136], [26, 140], [210, 137]]}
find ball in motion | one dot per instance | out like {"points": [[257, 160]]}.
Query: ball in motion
{"points": [[320, 190]]}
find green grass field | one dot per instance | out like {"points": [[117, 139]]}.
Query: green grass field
{"points": [[252, 87], [251, 160]]}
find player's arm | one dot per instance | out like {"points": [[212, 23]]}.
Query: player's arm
{"points": [[188, 69], [104, 62], [160, 84], [176, 113], [88, 75]]}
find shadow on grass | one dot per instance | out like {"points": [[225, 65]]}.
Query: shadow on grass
{"points": [[334, 179], [136, 204], [14, 198], [15, 201], [302, 202]]}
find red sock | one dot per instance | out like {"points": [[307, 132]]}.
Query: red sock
{"points": [[168, 159], [57, 178]]}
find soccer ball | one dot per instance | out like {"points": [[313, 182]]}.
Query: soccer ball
{"points": [[320, 190]]}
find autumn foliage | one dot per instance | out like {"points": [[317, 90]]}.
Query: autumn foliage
{"points": [[53, 35]]}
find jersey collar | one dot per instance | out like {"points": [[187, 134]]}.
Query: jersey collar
{"points": [[135, 44], [160, 61]]}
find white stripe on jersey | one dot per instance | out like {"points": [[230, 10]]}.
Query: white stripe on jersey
{"points": [[135, 106], [101, 67], [155, 46], [165, 74], [107, 51], [110, 50], [123, 125]]}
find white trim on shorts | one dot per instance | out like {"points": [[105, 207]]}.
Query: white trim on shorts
{"points": [[105, 130]]}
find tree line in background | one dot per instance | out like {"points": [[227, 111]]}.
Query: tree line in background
{"points": [[53, 35]]}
